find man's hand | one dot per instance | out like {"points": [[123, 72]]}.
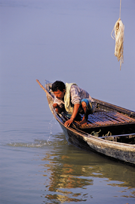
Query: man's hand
{"points": [[75, 111], [68, 122]]}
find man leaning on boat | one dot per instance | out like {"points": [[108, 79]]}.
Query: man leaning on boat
{"points": [[74, 100]]}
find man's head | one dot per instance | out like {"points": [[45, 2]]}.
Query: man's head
{"points": [[58, 88]]}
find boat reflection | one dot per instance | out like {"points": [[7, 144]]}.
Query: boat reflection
{"points": [[72, 171]]}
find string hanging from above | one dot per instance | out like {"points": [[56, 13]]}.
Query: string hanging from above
{"points": [[118, 35]]}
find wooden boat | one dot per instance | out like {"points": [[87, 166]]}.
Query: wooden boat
{"points": [[110, 130]]}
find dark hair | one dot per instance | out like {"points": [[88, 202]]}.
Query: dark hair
{"points": [[58, 85]]}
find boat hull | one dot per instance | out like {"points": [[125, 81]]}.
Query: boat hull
{"points": [[119, 151]]}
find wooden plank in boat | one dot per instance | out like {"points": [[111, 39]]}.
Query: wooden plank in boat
{"points": [[104, 118], [116, 116], [110, 118]]}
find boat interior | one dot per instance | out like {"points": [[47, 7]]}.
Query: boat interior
{"points": [[110, 125]]}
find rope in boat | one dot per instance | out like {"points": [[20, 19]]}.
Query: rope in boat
{"points": [[118, 35]]}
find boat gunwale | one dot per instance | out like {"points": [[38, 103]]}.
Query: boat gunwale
{"points": [[119, 109]]}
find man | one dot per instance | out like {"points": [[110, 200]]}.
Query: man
{"points": [[74, 99]]}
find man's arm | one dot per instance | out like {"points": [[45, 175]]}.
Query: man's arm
{"points": [[74, 114]]}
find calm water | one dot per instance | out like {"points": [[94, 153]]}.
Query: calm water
{"points": [[69, 40]]}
